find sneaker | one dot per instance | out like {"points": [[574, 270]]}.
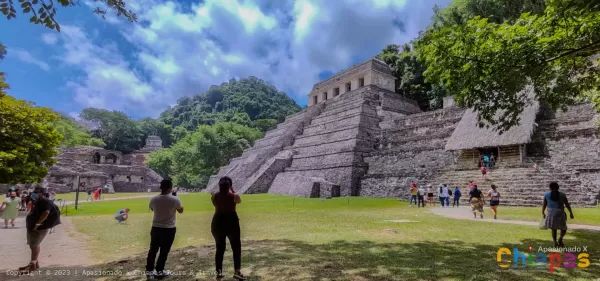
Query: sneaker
{"points": [[27, 269], [481, 216], [220, 276], [239, 276], [163, 274]]}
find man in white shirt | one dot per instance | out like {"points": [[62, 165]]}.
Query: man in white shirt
{"points": [[163, 230]]}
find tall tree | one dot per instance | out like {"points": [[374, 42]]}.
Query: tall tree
{"points": [[410, 81], [201, 153], [117, 130], [27, 139], [74, 134], [43, 13], [486, 65]]}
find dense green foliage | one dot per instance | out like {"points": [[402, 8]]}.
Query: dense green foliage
{"points": [[115, 128], [43, 13], [27, 139], [200, 154], [485, 65], [496, 11], [410, 82], [243, 102], [74, 134]]}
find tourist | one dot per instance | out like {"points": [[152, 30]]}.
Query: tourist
{"points": [[443, 195], [174, 193], [413, 193], [122, 215], [163, 230], [24, 198], [486, 161], [421, 197], [457, 194], [484, 173], [476, 199], [100, 193], [10, 208], [430, 195], [494, 200], [226, 224], [492, 160], [89, 197], [52, 196], [470, 185], [96, 193], [37, 226], [556, 202]]}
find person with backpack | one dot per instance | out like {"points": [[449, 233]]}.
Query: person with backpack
{"points": [[43, 216]]}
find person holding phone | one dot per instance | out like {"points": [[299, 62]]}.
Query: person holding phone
{"points": [[226, 224]]}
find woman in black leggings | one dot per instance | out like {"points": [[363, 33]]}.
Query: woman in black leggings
{"points": [[226, 224]]}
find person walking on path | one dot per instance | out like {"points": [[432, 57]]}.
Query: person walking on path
{"points": [[457, 194], [10, 208], [421, 197], [484, 171], [413, 193], [476, 199], [494, 196], [226, 224], [96, 193], [162, 235], [556, 201], [100, 193], [89, 197], [37, 226]]}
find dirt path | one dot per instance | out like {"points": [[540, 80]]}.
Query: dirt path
{"points": [[111, 199], [64, 247], [464, 213], [60, 248]]}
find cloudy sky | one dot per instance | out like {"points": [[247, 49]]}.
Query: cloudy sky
{"points": [[181, 48]]}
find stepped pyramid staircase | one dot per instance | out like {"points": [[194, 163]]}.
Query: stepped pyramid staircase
{"points": [[413, 149], [317, 152]]}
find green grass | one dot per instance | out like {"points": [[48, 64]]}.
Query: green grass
{"points": [[288, 238], [588, 216]]}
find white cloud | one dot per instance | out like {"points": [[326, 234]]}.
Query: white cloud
{"points": [[49, 38], [25, 56], [182, 49]]}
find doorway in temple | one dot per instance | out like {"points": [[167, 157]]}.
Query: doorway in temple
{"points": [[485, 156]]}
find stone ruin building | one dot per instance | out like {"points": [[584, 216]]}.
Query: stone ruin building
{"points": [[94, 167], [359, 138]]}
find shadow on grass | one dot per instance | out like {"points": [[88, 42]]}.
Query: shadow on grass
{"points": [[355, 261]]}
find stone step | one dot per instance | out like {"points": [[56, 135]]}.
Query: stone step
{"points": [[428, 117], [328, 116], [441, 134]]}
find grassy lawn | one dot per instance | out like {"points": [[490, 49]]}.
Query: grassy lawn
{"points": [[338, 239], [589, 216]]}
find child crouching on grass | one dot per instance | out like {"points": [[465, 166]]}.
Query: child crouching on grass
{"points": [[122, 215]]}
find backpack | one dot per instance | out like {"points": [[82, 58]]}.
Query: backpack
{"points": [[449, 192], [53, 218]]}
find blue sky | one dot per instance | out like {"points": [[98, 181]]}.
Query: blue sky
{"points": [[182, 48]]}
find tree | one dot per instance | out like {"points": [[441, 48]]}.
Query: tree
{"points": [[74, 134], [410, 82], [200, 154], [117, 130], [150, 126], [487, 65], [27, 139], [240, 101], [496, 11], [46, 11]]}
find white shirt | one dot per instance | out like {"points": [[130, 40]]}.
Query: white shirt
{"points": [[164, 207], [444, 192]]}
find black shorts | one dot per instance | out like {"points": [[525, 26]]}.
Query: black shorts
{"points": [[483, 173], [494, 203], [429, 194]]}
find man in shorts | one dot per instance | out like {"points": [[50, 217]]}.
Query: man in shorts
{"points": [[36, 230], [122, 215]]}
